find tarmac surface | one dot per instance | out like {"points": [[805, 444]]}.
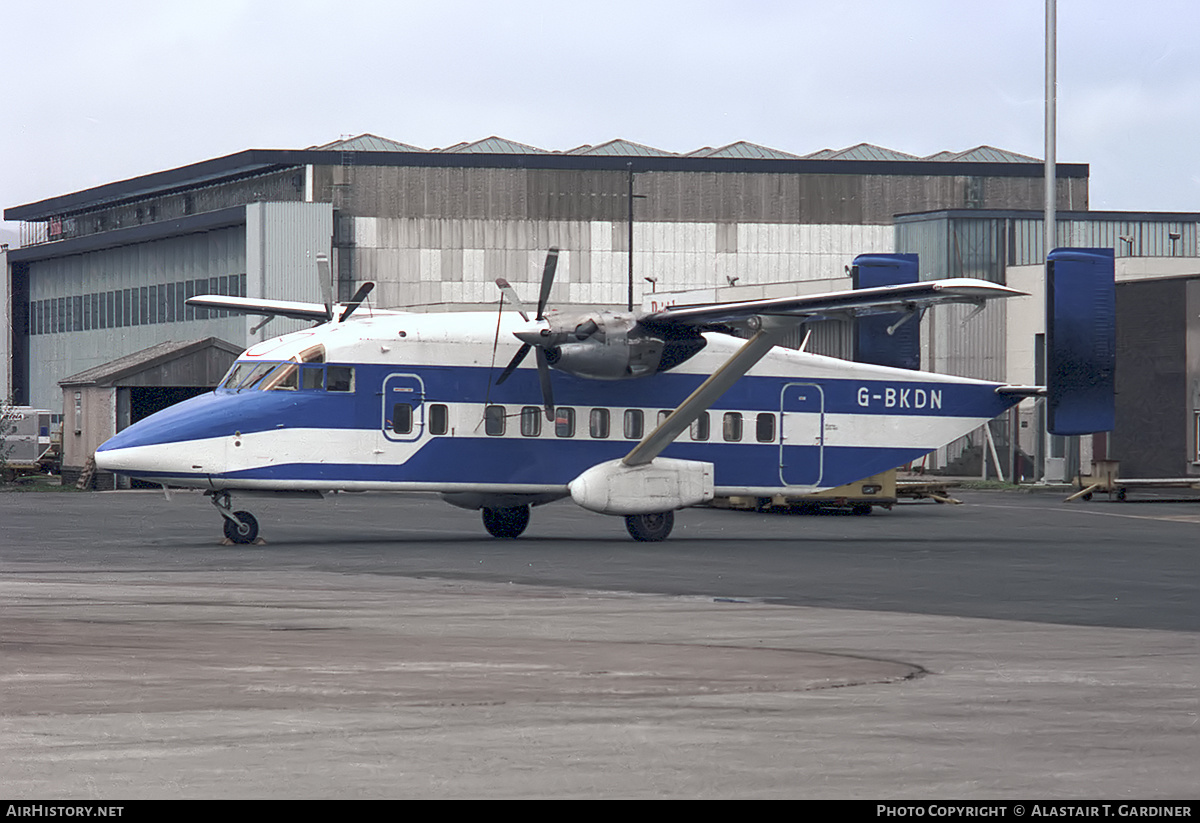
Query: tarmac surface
{"points": [[384, 646]]}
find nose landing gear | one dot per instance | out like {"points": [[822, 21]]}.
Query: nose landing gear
{"points": [[240, 527]]}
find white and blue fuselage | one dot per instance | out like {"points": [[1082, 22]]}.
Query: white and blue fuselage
{"points": [[404, 402]]}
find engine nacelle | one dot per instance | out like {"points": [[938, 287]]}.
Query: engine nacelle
{"points": [[608, 360], [662, 485], [608, 346]]}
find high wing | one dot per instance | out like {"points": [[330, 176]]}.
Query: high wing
{"points": [[772, 318], [877, 300], [317, 312], [253, 305]]}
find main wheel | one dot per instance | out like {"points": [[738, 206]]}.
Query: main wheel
{"points": [[650, 528], [244, 532], [506, 523]]}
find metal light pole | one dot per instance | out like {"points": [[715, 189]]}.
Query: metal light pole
{"points": [[1051, 116], [1050, 227], [630, 306]]}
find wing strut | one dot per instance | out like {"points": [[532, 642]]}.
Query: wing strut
{"points": [[771, 330]]}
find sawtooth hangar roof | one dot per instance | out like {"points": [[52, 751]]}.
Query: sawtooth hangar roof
{"points": [[627, 148], [618, 154]]}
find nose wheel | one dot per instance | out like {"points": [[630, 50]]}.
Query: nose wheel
{"points": [[240, 527], [243, 530]]}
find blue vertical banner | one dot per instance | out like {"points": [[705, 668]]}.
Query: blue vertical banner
{"points": [[872, 343], [1081, 348]]}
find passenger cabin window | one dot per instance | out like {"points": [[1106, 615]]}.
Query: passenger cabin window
{"points": [[764, 428], [564, 422], [731, 427], [531, 421], [700, 427], [598, 423], [340, 378], [439, 418], [493, 420], [402, 418], [633, 424]]}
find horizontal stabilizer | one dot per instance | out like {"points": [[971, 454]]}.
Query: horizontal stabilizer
{"points": [[1021, 391]]}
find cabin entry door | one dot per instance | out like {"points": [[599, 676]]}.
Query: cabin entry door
{"points": [[802, 434]]}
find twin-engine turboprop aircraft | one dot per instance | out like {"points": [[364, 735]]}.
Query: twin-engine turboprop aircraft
{"points": [[629, 414]]}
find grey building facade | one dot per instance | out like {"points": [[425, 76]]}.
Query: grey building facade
{"points": [[104, 272]]}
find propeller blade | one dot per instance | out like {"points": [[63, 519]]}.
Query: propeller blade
{"points": [[516, 361], [544, 379], [356, 300], [326, 285], [547, 280], [511, 293]]}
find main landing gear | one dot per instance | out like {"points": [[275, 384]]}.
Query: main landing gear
{"points": [[240, 527], [507, 522], [650, 528]]}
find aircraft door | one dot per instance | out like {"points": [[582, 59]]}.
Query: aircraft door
{"points": [[802, 434], [403, 411]]}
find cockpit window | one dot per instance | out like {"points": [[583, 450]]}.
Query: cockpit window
{"points": [[246, 375], [290, 375], [284, 377], [312, 377], [255, 378], [339, 378]]}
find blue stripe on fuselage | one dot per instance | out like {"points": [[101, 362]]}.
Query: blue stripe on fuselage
{"points": [[223, 412], [556, 463]]}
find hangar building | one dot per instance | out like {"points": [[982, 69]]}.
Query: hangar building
{"points": [[102, 274]]}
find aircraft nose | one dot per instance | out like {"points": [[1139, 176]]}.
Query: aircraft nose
{"points": [[158, 462], [167, 446]]}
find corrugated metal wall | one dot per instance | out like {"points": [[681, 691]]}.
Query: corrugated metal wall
{"points": [[687, 197], [1127, 238], [282, 243], [426, 262], [56, 355]]}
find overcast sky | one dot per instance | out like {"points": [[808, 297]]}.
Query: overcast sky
{"points": [[102, 91]]}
